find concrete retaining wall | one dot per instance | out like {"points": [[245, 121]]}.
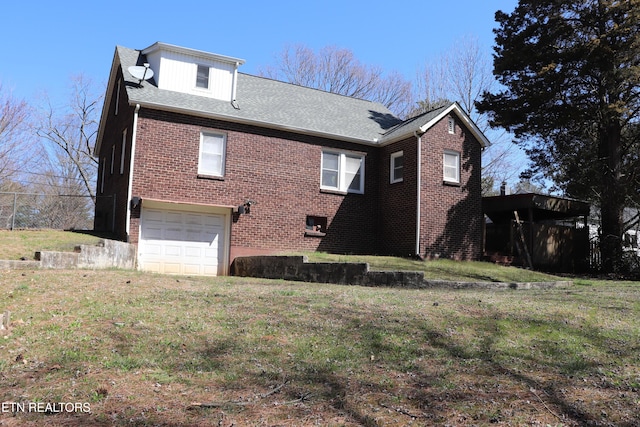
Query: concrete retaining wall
{"points": [[298, 268], [106, 254], [110, 254]]}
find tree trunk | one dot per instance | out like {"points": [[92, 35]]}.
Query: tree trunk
{"points": [[611, 199]]}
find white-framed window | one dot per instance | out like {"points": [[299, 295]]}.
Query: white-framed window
{"points": [[123, 151], [202, 77], [396, 167], [452, 125], [451, 167], [342, 171], [212, 154]]}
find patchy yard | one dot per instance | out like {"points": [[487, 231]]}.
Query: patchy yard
{"points": [[18, 244], [139, 349]]}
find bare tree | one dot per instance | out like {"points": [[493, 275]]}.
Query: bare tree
{"points": [[463, 74], [69, 135], [13, 139], [337, 70]]}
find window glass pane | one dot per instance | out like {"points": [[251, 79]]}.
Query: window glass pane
{"points": [[212, 144], [330, 179], [212, 163], [330, 161], [352, 172], [354, 181], [202, 79], [353, 164], [398, 166]]}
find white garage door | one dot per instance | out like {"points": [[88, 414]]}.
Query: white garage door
{"points": [[181, 242]]}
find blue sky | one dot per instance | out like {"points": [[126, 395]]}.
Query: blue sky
{"points": [[44, 43]]}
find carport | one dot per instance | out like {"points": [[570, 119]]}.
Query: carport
{"points": [[537, 231]]}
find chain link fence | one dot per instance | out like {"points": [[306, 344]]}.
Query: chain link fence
{"points": [[33, 211]]}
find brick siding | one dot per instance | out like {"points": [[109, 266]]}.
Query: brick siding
{"points": [[451, 214], [280, 171]]}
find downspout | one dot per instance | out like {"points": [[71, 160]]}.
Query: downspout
{"points": [[418, 192], [134, 134], [234, 85]]}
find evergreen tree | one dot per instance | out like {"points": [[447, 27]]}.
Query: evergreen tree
{"points": [[571, 95]]}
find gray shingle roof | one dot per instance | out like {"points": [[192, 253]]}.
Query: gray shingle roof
{"points": [[271, 103], [274, 104]]}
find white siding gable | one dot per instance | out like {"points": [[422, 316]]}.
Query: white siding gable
{"points": [[176, 69]]}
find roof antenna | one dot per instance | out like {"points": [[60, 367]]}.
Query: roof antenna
{"points": [[141, 72]]}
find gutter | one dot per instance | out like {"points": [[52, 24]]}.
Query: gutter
{"points": [[418, 192], [134, 134]]}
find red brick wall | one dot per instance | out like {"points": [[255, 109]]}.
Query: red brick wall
{"points": [[281, 172], [111, 201], [398, 201], [451, 214], [278, 170]]}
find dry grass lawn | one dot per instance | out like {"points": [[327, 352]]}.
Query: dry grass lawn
{"points": [[146, 350]]}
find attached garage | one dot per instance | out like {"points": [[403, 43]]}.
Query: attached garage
{"points": [[184, 239]]}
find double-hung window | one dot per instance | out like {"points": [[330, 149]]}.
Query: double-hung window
{"points": [[343, 172], [212, 154], [451, 167], [202, 77], [396, 168]]}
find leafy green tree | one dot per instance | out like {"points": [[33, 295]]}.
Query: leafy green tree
{"points": [[570, 73]]}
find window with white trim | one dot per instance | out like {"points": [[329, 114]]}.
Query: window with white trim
{"points": [[212, 154], [341, 171], [202, 77], [396, 167], [452, 125], [451, 167]]}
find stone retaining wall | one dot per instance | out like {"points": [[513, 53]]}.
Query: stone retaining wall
{"points": [[298, 268]]}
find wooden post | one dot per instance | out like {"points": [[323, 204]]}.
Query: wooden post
{"points": [[523, 241]]}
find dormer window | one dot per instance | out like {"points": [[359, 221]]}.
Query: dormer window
{"points": [[202, 79], [192, 71]]}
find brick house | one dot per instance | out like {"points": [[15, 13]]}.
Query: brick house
{"points": [[202, 163]]}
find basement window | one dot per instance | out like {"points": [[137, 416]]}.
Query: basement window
{"points": [[316, 226]]}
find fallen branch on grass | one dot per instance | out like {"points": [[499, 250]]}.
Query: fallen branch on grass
{"points": [[401, 411], [205, 405], [302, 398], [545, 405]]}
